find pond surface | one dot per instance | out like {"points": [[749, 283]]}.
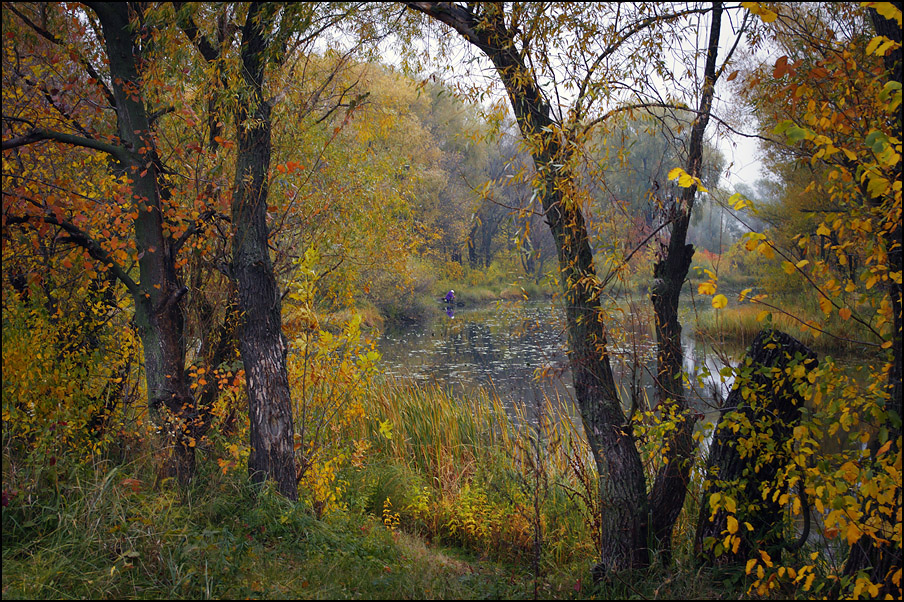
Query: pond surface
{"points": [[519, 351]]}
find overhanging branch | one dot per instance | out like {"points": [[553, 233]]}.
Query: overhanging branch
{"points": [[82, 239], [40, 134]]}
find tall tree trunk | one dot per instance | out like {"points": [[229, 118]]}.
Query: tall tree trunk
{"points": [[262, 346], [622, 481], [158, 313], [473, 259], [670, 486]]}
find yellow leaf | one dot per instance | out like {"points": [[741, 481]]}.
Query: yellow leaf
{"points": [[731, 505], [874, 43], [844, 313], [761, 11], [731, 524], [853, 533], [685, 180], [889, 10], [737, 201], [720, 301], [765, 249], [823, 230], [767, 560], [706, 288], [825, 305], [750, 564], [788, 267], [809, 582]]}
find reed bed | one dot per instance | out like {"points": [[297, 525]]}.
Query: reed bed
{"points": [[740, 325], [479, 474]]}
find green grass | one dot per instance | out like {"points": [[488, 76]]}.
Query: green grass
{"points": [[462, 478], [100, 539]]}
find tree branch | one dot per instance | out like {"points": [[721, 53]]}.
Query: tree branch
{"points": [[193, 228], [39, 134], [89, 68], [82, 239]]}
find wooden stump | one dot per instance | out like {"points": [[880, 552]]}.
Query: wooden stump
{"points": [[750, 448]]}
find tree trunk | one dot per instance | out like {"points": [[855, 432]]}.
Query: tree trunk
{"points": [[158, 313], [262, 346], [670, 487], [622, 481], [763, 399]]}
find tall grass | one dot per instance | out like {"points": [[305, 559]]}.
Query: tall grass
{"points": [[110, 532], [471, 468], [741, 324]]}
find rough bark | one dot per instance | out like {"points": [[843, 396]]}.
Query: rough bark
{"points": [[158, 312], [765, 399], [670, 486], [622, 481], [262, 345]]}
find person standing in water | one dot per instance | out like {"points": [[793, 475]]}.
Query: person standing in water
{"points": [[449, 300]]}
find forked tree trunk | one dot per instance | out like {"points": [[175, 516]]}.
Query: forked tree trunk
{"points": [[670, 486], [157, 295]]}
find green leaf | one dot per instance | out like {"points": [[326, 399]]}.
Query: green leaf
{"points": [[796, 134]]}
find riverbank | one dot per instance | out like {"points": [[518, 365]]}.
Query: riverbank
{"points": [[424, 300], [430, 497], [740, 323]]}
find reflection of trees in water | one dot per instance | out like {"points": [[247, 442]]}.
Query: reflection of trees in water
{"points": [[507, 347]]}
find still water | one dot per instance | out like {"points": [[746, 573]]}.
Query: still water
{"points": [[519, 351]]}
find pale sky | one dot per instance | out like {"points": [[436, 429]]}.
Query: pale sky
{"points": [[741, 153]]}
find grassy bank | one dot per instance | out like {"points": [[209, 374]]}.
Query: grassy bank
{"points": [[740, 323], [449, 498], [110, 534]]}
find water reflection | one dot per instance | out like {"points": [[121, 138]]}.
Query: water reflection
{"points": [[519, 350]]}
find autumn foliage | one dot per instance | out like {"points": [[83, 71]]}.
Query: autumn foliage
{"points": [[210, 209]]}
